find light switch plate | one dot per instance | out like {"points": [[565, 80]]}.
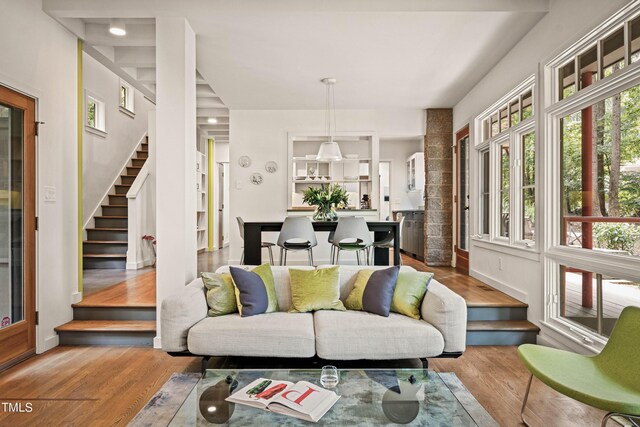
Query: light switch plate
{"points": [[49, 194], [238, 185]]}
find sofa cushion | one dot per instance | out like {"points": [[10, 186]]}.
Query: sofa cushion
{"points": [[349, 273], [221, 294], [409, 293], [315, 290], [352, 335], [373, 291], [255, 290], [265, 335]]}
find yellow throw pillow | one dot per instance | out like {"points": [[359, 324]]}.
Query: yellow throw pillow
{"points": [[313, 290], [221, 294], [411, 288]]}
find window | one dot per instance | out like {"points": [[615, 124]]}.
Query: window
{"points": [[595, 300], [528, 187], [484, 192], [126, 96], [601, 175], [592, 182], [507, 172], [510, 114], [504, 200], [95, 113]]}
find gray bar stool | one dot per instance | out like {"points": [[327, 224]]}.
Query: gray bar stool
{"points": [[352, 234], [267, 245], [297, 234]]}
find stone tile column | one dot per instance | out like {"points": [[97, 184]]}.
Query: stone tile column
{"points": [[438, 158]]}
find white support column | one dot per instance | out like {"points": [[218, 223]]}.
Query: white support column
{"points": [[175, 157]]}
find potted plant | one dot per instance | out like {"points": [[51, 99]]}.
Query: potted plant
{"points": [[326, 199], [152, 242]]}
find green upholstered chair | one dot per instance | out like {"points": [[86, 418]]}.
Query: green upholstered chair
{"points": [[609, 381]]}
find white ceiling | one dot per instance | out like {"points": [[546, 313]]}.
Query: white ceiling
{"points": [[381, 60], [384, 53]]}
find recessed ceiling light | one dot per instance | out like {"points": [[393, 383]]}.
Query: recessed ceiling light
{"points": [[212, 120], [117, 27]]}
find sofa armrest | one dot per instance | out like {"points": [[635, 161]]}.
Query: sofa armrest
{"points": [[179, 313], [447, 312]]}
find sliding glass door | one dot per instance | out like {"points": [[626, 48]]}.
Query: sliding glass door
{"points": [[17, 226]]}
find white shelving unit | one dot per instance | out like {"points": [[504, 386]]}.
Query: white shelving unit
{"points": [[355, 172], [201, 209]]}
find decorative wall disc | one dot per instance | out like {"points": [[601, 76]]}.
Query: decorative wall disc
{"points": [[244, 161], [256, 178], [271, 167]]}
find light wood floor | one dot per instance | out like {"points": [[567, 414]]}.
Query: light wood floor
{"points": [[475, 292], [100, 386], [137, 291]]}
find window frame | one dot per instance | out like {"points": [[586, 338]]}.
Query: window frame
{"points": [[557, 254], [100, 121], [512, 136], [129, 104]]}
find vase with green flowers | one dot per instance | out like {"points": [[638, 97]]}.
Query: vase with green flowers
{"points": [[326, 199]]}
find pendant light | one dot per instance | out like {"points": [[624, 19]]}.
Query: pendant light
{"points": [[329, 150]]}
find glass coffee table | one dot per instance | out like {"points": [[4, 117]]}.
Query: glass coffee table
{"points": [[369, 397]]}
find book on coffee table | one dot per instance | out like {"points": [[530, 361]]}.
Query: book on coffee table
{"points": [[300, 400]]}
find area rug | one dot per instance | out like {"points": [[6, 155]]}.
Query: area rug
{"points": [[166, 404]]}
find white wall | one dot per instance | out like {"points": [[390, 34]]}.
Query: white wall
{"points": [[566, 22], [38, 57], [262, 135], [104, 156], [398, 150]]}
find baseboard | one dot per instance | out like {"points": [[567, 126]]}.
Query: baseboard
{"points": [[503, 287], [157, 342], [76, 297], [49, 343], [139, 264]]}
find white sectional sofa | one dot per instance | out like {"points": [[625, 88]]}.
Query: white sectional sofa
{"points": [[332, 335]]}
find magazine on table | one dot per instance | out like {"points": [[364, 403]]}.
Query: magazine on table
{"points": [[301, 400]]}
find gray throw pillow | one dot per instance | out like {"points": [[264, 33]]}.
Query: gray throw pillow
{"points": [[252, 293], [378, 293]]}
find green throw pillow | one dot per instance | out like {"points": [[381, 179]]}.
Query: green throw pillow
{"points": [[409, 293], [221, 294], [373, 291], [245, 289], [313, 290]]}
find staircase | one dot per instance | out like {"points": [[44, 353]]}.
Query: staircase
{"points": [[123, 314], [106, 244], [499, 324]]}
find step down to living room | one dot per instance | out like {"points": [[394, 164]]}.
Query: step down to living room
{"points": [[122, 314], [106, 244], [493, 317]]}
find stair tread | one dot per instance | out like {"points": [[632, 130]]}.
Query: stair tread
{"points": [[109, 304], [107, 242], [501, 325], [108, 229], [108, 326], [123, 185], [491, 304], [112, 216], [115, 206], [104, 255]]}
